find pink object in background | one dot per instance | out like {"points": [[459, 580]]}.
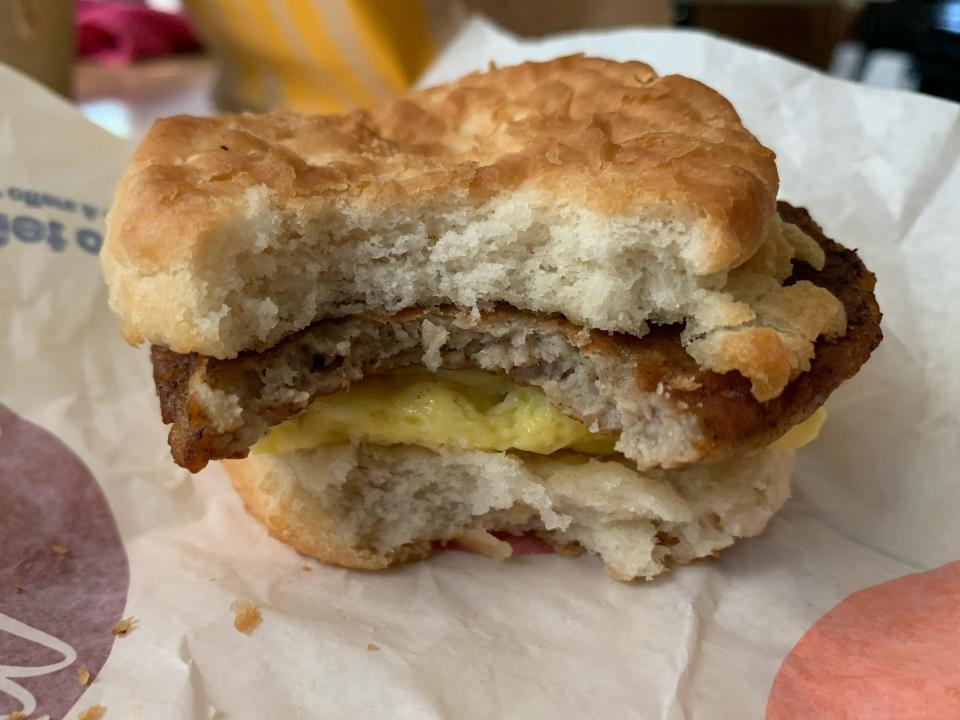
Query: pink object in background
{"points": [[889, 652], [119, 32]]}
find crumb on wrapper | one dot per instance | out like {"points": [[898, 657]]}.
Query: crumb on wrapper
{"points": [[122, 628], [246, 615], [83, 675], [94, 712]]}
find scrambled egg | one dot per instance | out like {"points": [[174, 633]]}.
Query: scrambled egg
{"points": [[468, 409]]}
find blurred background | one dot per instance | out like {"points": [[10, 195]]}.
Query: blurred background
{"points": [[126, 62]]}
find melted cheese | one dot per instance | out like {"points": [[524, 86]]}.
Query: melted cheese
{"points": [[467, 409], [802, 434]]}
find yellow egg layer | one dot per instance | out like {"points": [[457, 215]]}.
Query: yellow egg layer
{"points": [[467, 409]]}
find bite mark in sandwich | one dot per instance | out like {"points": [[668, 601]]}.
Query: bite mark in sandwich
{"points": [[559, 297]]}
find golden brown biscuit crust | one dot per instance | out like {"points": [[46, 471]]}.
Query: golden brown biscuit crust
{"points": [[612, 136]]}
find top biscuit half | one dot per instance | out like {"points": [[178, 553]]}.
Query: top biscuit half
{"points": [[583, 187]]}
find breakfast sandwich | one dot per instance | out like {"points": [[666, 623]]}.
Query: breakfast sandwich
{"points": [[559, 299]]}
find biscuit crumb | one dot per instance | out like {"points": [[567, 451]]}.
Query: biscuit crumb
{"points": [[572, 550], [122, 628], [307, 568], [94, 712], [83, 675], [16, 715], [483, 543], [372, 647], [60, 549], [246, 615], [685, 382], [20, 590]]}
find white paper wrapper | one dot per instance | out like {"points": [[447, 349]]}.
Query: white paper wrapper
{"points": [[460, 636]]}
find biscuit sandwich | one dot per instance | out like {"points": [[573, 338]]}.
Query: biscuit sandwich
{"points": [[557, 299]]}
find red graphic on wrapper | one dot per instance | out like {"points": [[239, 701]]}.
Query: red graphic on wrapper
{"points": [[63, 572], [889, 652]]}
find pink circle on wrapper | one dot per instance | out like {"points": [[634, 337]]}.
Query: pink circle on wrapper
{"points": [[63, 571], [888, 652]]}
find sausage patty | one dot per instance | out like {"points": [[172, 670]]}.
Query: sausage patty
{"points": [[667, 410]]}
